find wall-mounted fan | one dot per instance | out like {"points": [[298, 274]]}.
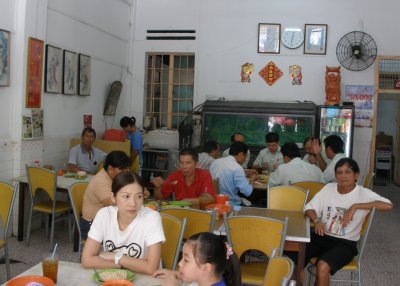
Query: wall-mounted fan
{"points": [[356, 51]]}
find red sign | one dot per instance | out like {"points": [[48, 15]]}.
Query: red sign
{"points": [[270, 73]]}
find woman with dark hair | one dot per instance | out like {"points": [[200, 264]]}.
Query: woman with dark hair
{"points": [[206, 260], [131, 234], [134, 135], [338, 211]]}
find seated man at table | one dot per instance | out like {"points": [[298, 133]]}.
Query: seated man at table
{"points": [[294, 170], [310, 157], [230, 174], [269, 158], [98, 193], [209, 154], [338, 211], [188, 182], [84, 157], [238, 137], [334, 150]]}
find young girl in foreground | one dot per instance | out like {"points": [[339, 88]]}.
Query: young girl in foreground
{"points": [[206, 260], [131, 234]]}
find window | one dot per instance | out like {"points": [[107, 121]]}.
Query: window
{"points": [[170, 87]]}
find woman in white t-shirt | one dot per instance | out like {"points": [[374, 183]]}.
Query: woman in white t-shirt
{"points": [[131, 235], [338, 211]]}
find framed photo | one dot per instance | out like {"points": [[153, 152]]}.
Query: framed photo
{"points": [[84, 75], [53, 82], [269, 36], [34, 75], [315, 36], [70, 73], [4, 58]]}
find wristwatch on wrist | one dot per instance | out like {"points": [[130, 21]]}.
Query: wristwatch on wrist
{"points": [[316, 220], [118, 257]]}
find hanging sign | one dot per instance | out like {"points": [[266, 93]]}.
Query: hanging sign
{"points": [[270, 73]]}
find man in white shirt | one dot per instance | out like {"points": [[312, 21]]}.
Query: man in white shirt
{"points": [[238, 137], [310, 157], [334, 149], [271, 157], [294, 170], [209, 154]]}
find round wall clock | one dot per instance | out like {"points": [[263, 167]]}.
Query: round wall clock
{"points": [[292, 37]]}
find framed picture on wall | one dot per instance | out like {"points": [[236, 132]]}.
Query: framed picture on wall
{"points": [[4, 58], [84, 75], [53, 65], [70, 73], [315, 36], [269, 36], [34, 72]]}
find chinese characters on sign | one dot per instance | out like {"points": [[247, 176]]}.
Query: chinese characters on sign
{"points": [[362, 96], [270, 73]]}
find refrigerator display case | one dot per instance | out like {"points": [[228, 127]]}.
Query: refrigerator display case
{"points": [[293, 121], [337, 120]]}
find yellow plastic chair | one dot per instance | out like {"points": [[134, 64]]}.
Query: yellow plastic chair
{"points": [[354, 267], [197, 220], [76, 193], [369, 180], [173, 230], [279, 271], [312, 187], [46, 180], [255, 233], [100, 166], [288, 198], [7, 197]]}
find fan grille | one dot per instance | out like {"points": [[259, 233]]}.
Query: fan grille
{"points": [[356, 51]]}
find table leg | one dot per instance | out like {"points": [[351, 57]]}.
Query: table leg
{"points": [[76, 238], [21, 202], [300, 263]]}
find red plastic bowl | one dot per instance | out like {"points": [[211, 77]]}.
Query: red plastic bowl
{"points": [[23, 280]]}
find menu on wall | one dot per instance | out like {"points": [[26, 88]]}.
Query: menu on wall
{"points": [[32, 124], [363, 98]]}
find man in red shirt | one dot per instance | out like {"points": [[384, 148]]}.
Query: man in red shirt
{"points": [[187, 182]]}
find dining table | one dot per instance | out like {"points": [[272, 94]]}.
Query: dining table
{"points": [[297, 233], [72, 274], [21, 182]]}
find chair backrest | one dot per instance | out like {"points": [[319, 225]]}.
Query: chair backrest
{"points": [[106, 146], [197, 220], [7, 197], [289, 198], [44, 179], [369, 180], [76, 193], [364, 232], [259, 233], [173, 230], [312, 187], [279, 271]]}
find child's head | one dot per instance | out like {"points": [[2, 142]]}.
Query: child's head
{"points": [[205, 255], [128, 123], [272, 140]]}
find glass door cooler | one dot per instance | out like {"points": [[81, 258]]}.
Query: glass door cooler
{"points": [[337, 120]]}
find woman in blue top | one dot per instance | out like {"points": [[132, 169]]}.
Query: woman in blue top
{"points": [[206, 260], [134, 135]]}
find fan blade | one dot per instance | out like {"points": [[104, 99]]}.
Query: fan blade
{"points": [[362, 37]]}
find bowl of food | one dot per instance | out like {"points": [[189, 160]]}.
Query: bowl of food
{"points": [[105, 275], [80, 175]]}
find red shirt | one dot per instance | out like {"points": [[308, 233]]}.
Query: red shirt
{"points": [[202, 183]]}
